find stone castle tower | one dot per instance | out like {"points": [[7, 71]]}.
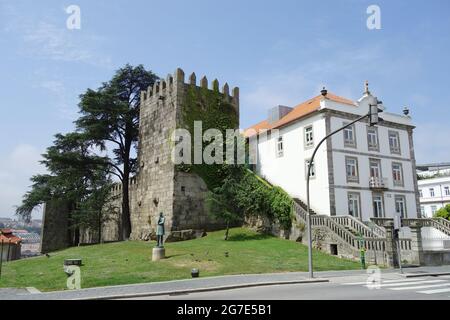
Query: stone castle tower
{"points": [[158, 186]]}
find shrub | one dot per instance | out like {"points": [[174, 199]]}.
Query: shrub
{"points": [[443, 212]]}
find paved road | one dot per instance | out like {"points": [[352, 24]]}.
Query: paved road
{"points": [[342, 285], [342, 288]]}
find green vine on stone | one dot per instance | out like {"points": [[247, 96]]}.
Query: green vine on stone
{"points": [[250, 194]]}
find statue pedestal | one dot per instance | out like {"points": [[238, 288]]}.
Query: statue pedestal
{"points": [[158, 253]]}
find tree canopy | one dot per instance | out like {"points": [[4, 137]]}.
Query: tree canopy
{"points": [[110, 116]]}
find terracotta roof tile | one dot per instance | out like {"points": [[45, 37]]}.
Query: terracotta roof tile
{"points": [[9, 238], [299, 111]]}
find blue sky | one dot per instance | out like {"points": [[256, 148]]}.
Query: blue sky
{"points": [[277, 52]]}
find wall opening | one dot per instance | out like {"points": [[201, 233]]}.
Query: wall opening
{"points": [[333, 249]]}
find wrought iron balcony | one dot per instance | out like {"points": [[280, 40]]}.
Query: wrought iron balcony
{"points": [[378, 183]]}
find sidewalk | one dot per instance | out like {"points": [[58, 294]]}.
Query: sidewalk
{"points": [[202, 284]]}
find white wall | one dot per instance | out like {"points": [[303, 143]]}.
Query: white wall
{"points": [[289, 171]]}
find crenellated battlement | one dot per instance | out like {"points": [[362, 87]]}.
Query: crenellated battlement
{"points": [[117, 187], [173, 82]]}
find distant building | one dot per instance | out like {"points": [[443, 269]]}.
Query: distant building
{"points": [[10, 245], [434, 187], [6, 222]]}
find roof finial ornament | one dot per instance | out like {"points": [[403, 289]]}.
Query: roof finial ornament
{"points": [[323, 92], [366, 87]]}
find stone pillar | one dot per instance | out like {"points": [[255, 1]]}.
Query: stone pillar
{"points": [[391, 246], [416, 243]]}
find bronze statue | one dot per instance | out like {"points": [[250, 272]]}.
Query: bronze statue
{"points": [[160, 230]]}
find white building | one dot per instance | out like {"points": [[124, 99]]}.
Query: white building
{"points": [[434, 191], [362, 171]]}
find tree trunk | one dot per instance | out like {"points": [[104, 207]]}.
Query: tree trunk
{"points": [[227, 230], [126, 221], [100, 228], [77, 236]]}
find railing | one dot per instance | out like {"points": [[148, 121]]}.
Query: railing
{"points": [[378, 183], [437, 223], [376, 229], [376, 242], [357, 226], [442, 221], [440, 224], [356, 243], [380, 221], [405, 244]]}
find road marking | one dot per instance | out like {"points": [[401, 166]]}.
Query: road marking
{"points": [[381, 285], [435, 291], [422, 287], [381, 282]]}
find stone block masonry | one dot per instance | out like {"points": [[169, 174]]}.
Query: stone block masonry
{"points": [[158, 186]]}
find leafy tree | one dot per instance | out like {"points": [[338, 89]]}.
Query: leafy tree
{"points": [[219, 205], [443, 212], [96, 208], [110, 116], [74, 175]]}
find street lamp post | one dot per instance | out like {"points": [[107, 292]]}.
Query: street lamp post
{"points": [[374, 119]]}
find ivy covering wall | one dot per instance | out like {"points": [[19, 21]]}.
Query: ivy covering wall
{"points": [[247, 194]]}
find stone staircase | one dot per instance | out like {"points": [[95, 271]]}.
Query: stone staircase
{"points": [[437, 223], [350, 235], [303, 205], [359, 228], [348, 231], [441, 224]]}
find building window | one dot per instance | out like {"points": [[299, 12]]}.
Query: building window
{"points": [[397, 174], [433, 210], [351, 167], [420, 193], [431, 192], [372, 139], [354, 205], [349, 136], [313, 169], [422, 211], [378, 210], [309, 137], [375, 168], [394, 142], [447, 191], [400, 206], [280, 149]]}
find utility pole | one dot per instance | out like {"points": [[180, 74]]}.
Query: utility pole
{"points": [[373, 120]]}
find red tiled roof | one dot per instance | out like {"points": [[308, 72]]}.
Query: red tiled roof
{"points": [[299, 111], [7, 236]]}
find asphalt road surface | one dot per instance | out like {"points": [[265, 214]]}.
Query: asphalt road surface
{"points": [[342, 288]]}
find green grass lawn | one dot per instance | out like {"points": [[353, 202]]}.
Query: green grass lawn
{"points": [[130, 261]]}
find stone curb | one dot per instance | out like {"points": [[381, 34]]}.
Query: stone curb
{"points": [[205, 289]]}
